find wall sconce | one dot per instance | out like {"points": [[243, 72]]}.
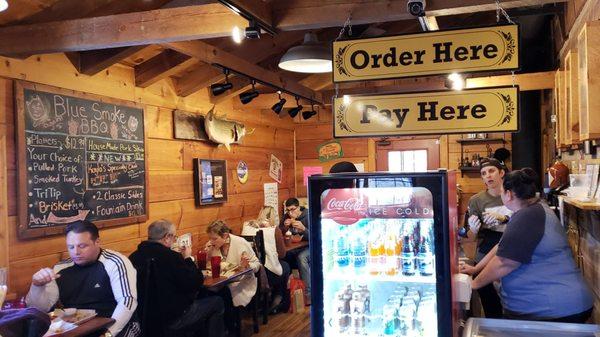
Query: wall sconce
{"points": [[293, 112], [219, 88], [279, 105], [248, 96]]}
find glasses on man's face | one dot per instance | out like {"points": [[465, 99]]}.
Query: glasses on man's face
{"points": [[290, 210]]}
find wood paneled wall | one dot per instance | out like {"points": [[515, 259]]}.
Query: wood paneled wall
{"points": [[315, 131], [170, 184]]}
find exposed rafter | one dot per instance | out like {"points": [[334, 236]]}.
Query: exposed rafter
{"points": [[212, 55], [214, 20], [130, 29], [254, 52], [161, 66]]}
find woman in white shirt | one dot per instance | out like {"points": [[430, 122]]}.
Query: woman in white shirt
{"points": [[278, 271], [235, 251]]}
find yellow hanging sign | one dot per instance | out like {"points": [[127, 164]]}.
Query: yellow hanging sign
{"points": [[430, 53], [442, 112]]}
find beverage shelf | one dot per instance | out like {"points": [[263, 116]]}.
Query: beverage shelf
{"points": [[350, 276]]}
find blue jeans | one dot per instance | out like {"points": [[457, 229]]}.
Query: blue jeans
{"points": [[303, 259]]}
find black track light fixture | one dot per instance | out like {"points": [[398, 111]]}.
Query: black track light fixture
{"points": [[308, 114], [279, 105], [293, 112], [219, 88], [248, 96]]}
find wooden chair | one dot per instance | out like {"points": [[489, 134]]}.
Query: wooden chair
{"points": [[260, 301]]}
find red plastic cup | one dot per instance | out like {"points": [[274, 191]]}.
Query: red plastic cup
{"points": [[215, 266], [201, 259]]}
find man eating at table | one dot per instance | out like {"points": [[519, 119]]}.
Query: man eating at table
{"points": [[181, 299], [92, 278]]}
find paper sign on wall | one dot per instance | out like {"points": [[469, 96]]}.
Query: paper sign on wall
{"points": [[309, 171], [272, 198], [275, 169]]}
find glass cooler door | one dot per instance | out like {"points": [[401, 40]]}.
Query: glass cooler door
{"points": [[381, 253]]}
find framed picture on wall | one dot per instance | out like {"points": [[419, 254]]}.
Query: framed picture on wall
{"points": [[210, 181]]}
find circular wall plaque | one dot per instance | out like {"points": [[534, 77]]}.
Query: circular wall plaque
{"points": [[242, 172]]}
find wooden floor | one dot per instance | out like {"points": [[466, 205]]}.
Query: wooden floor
{"points": [[281, 325]]}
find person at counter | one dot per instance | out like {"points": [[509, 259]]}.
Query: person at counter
{"points": [[487, 217], [183, 302], [92, 278], [533, 260], [295, 221]]}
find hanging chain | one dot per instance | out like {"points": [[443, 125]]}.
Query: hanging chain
{"points": [[347, 24], [500, 10]]}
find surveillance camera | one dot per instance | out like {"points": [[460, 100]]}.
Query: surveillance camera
{"points": [[252, 32], [416, 7]]}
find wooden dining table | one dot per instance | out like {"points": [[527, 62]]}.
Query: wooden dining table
{"points": [[96, 324], [210, 282], [291, 246]]}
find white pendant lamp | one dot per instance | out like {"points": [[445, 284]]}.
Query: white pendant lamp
{"points": [[3, 5], [309, 57]]}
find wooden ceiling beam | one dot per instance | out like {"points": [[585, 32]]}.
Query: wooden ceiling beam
{"points": [[199, 78], [311, 14], [212, 55], [259, 10], [317, 81], [214, 20], [92, 62], [526, 82], [254, 52], [120, 30], [161, 66]]}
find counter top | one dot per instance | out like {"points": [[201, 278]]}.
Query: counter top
{"points": [[588, 206]]}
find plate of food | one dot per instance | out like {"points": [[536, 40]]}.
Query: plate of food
{"points": [[58, 326], [78, 316]]}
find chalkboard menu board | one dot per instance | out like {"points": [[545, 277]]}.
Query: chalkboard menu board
{"points": [[81, 156]]}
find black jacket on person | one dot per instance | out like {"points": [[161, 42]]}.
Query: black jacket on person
{"points": [[303, 217], [178, 280]]}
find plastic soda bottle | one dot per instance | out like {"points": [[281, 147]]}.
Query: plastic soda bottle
{"points": [[342, 251], [425, 258], [408, 257]]}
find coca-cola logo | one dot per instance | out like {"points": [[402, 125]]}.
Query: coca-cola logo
{"points": [[351, 204]]}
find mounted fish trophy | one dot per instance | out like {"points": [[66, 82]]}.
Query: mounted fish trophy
{"points": [[222, 131]]}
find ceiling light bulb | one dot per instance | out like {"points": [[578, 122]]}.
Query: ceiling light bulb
{"points": [[346, 99], [454, 77], [3, 5], [458, 85], [236, 34]]}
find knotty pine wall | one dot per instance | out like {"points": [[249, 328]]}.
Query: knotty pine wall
{"points": [[315, 131], [170, 184]]}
